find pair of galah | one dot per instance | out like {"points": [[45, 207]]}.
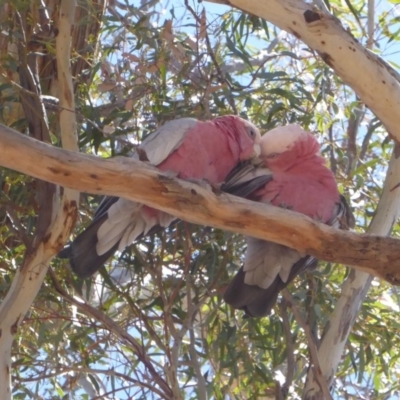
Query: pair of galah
{"points": [[291, 174]]}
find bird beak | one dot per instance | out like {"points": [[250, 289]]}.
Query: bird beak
{"points": [[257, 161], [257, 150]]}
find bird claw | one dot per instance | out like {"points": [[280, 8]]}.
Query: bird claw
{"points": [[216, 188], [285, 206], [201, 182], [171, 174], [205, 184]]}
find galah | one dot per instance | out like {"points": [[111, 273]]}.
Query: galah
{"points": [[187, 148], [292, 175]]}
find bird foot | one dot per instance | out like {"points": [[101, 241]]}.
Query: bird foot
{"points": [[285, 206], [214, 187]]}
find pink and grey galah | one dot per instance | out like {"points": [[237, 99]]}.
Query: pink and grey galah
{"points": [[187, 148], [292, 175]]}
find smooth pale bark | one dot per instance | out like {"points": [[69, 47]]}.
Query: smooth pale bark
{"points": [[30, 275], [374, 81], [134, 180]]}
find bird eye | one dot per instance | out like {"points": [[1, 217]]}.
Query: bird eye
{"points": [[272, 155], [252, 133]]}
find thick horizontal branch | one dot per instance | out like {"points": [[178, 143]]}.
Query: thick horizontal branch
{"points": [[140, 182], [374, 81]]}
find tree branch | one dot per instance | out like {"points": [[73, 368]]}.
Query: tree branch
{"points": [[377, 255], [374, 81], [291, 362], [62, 214], [312, 347]]}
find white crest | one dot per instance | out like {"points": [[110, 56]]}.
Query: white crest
{"points": [[280, 139]]}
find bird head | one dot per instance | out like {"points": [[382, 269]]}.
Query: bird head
{"points": [[247, 137], [288, 141], [248, 130]]}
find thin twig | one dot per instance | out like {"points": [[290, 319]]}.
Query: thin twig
{"points": [[17, 226], [371, 24], [332, 157], [355, 120], [201, 383], [321, 4], [372, 126], [210, 52], [311, 345], [60, 370], [119, 332], [289, 348]]}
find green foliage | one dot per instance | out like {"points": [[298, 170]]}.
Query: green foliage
{"points": [[153, 65]]}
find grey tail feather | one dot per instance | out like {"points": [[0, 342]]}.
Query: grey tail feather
{"points": [[82, 253], [65, 252], [258, 302], [253, 300]]}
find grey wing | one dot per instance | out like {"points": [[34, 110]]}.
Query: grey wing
{"points": [[117, 223], [256, 301], [343, 217], [268, 268], [82, 254], [105, 203], [245, 179], [161, 143]]}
